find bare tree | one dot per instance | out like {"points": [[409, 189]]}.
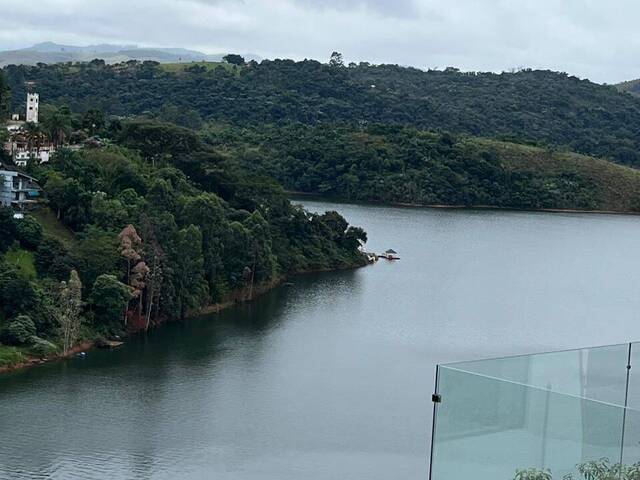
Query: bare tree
{"points": [[130, 247], [130, 243]]}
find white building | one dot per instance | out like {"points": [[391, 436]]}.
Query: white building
{"points": [[22, 145], [33, 100], [22, 155]]}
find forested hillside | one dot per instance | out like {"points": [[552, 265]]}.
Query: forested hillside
{"points": [[528, 106], [145, 243], [405, 165]]}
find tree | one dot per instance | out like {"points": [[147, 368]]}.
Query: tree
{"points": [[17, 294], [56, 123], [93, 120], [52, 259], [191, 286], [154, 276], [69, 198], [8, 228], [109, 298], [336, 60], [5, 96], [130, 248], [108, 213], [97, 253], [20, 330], [33, 132], [138, 280], [234, 59], [156, 141], [68, 311], [29, 232]]}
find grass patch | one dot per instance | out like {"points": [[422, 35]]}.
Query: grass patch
{"points": [[53, 226], [23, 260], [10, 356], [617, 186]]}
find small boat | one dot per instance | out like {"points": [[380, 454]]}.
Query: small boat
{"points": [[390, 255]]}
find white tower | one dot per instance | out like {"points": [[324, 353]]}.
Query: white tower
{"points": [[33, 99]]}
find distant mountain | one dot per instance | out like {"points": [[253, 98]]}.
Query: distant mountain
{"points": [[49, 52]]}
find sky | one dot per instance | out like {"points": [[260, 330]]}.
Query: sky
{"points": [[588, 38]]}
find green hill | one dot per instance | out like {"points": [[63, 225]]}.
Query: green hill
{"points": [[405, 165], [542, 107]]}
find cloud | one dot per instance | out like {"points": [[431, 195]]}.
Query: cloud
{"points": [[587, 38]]}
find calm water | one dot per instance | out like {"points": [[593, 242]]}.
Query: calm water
{"points": [[330, 377]]}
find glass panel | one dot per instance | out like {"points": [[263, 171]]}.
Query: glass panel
{"points": [[634, 377], [632, 423], [595, 373], [631, 452], [487, 429]]}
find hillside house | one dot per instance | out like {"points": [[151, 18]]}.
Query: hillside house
{"points": [[18, 190], [23, 146]]}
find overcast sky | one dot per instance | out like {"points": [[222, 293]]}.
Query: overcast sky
{"points": [[595, 39]]}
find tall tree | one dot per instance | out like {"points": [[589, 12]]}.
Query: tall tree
{"points": [[191, 285], [234, 59], [109, 298], [131, 250], [336, 60], [33, 132], [69, 309], [56, 123], [93, 120]]}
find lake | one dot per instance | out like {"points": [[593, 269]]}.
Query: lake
{"points": [[330, 376]]}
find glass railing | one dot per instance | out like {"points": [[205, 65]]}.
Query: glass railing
{"points": [[569, 415]]}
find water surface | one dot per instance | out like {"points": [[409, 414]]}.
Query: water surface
{"points": [[329, 377]]}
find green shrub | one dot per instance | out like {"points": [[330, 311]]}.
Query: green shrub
{"points": [[603, 469], [42, 348], [533, 474], [10, 356], [19, 330], [29, 232]]}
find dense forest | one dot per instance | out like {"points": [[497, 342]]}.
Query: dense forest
{"points": [[130, 239], [392, 164], [541, 107]]}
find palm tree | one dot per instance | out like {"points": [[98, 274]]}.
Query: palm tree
{"points": [[33, 132], [58, 126]]}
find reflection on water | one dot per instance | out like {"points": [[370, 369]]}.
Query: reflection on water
{"points": [[331, 376]]}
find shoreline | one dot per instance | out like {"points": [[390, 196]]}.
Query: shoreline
{"points": [[236, 297], [319, 197], [36, 362]]}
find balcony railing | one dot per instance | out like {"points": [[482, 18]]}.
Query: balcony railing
{"points": [[563, 415]]}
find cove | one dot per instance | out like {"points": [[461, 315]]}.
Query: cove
{"points": [[331, 375]]}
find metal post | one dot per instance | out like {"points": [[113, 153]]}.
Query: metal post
{"points": [[624, 412], [433, 422]]}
